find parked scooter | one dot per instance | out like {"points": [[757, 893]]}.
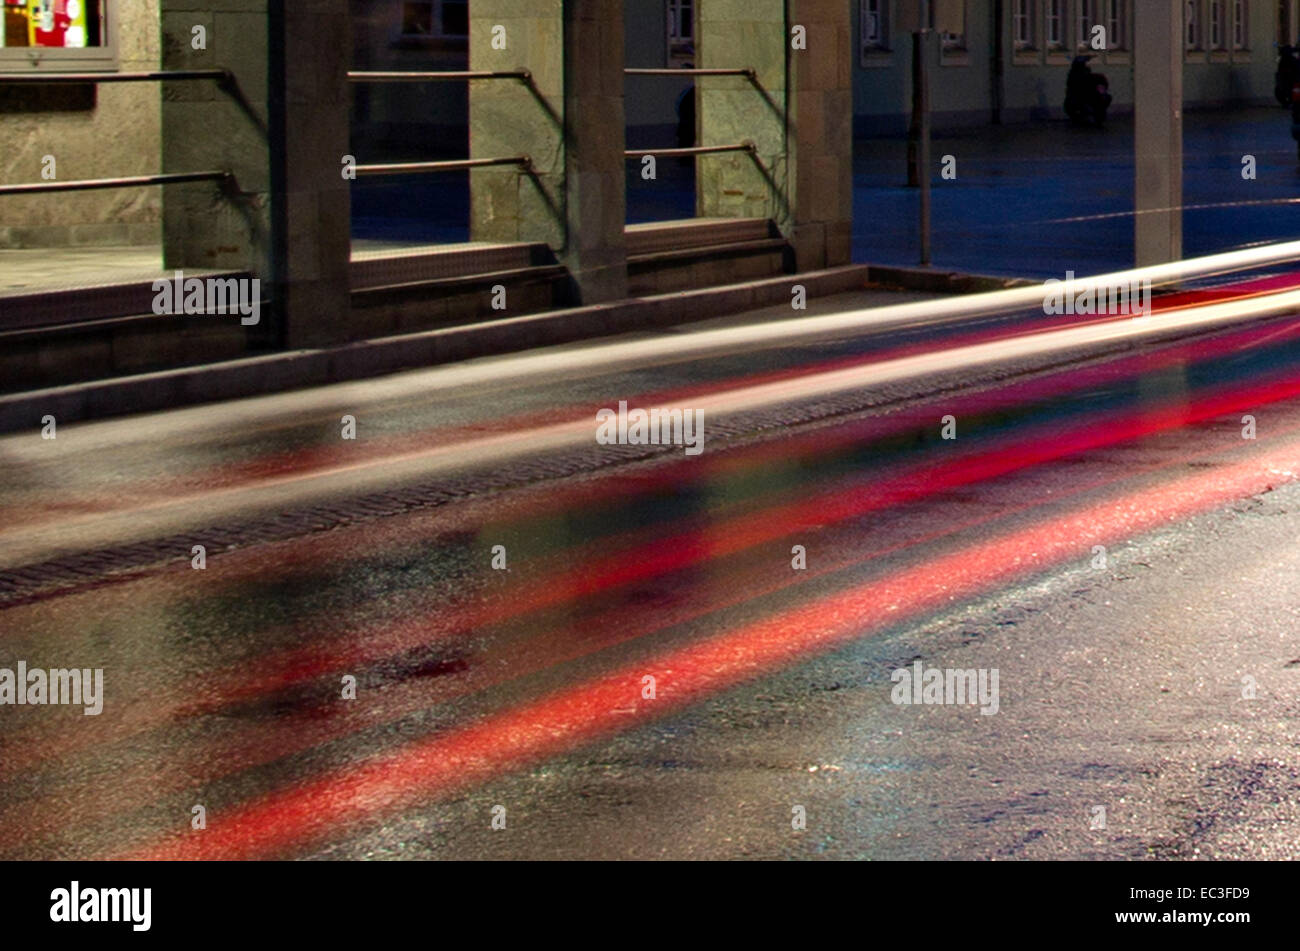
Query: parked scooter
{"points": [[1087, 94]]}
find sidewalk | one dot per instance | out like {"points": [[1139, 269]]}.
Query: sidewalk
{"points": [[23, 271], [1009, 210]]}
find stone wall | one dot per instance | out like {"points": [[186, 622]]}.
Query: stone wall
{"points": [[101, 132], [206, 127]]}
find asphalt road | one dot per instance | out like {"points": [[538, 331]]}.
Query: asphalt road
{"points": [[1098, 533]]}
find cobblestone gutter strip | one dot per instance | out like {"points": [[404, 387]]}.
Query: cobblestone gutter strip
{"points": [[92, 568]]}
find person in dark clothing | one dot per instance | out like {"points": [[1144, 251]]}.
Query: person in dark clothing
{"points": [[1087, 94]]}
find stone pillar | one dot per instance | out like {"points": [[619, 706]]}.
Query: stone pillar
{"points": [[595, 251], [568, 119], [313, 206], [1158, 138], [820, 154], [805, 182], [282, 129]]}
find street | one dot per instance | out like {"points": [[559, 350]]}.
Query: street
{"points": [[474, 632]]}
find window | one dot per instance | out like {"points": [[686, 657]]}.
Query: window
{"points": [[1218, 34], [681, 29], [55, 34], [1022, 24], [948, 17], [435, 18], [874, 17], [1192, 24], [1240, 25], [455, 17], [1085, 19], [1116, 24], [52, 24], [1056, 19]]}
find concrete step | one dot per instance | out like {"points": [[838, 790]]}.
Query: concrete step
{"points": [[272, 372], [406, 289], [658, 237], [33, 308], [92, 350], [55, 335], [65, 335], [403, 265], [665, 256]]}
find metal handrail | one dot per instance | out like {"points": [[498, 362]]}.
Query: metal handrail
{"points": [[148, 76], [410, 76], [134, 181], [749, 147], [456, 165], [747, 71]]}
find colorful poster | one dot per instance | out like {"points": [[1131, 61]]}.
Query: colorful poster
{"points": [[60, 23]]}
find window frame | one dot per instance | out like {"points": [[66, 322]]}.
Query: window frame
{"points": [[1023, 13], [1193, 27], [1116, 15], [1084, 19], [1217, 33], [954, 49], [1062, 19], [436, 41], [435, 18], [884, 26], [53, 59], [679, 48], [1240, 42]]}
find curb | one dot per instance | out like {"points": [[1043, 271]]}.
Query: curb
{"points": [[277, 372], [943, 282]]}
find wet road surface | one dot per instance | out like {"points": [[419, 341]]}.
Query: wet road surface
{"points": [[680, 656]]}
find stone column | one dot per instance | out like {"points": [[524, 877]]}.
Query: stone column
{"points": [[313, 205], [803, 179], [1158, 138], [595, 251], [821, 135], [568, 118], [282, 130]]}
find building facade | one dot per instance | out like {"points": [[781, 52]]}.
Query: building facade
{"points": [[993, 61], [997, 60], [1006, 60]]}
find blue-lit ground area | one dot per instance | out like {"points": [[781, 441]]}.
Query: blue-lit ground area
{"points": [[1065, 193]]}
